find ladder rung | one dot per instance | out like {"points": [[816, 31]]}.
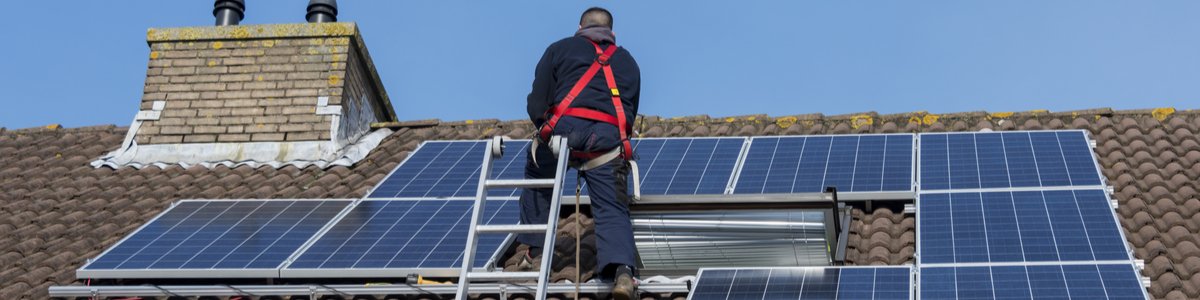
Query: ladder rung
{"points": [[503, 275], [520, 183], [533, 228]]}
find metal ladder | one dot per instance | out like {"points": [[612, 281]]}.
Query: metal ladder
{"points": [[495, 149]]}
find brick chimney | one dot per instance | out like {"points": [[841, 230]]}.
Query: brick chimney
{"points": [[255, 93]]}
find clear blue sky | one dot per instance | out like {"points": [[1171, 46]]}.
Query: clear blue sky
{"points": [[82, 63]]}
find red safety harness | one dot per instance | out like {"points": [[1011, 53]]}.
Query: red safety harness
{"points": [[563, 108]]}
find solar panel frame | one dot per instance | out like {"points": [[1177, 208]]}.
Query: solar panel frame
{"points": [[697, 289], [923, 259], [1127, 269], [290, 271], [85, 272], [1089, 142], [846, 193]]}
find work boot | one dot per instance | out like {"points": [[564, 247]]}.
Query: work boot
{"points": [[624, 285]]}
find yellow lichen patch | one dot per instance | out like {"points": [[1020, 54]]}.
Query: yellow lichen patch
{"points": [[217, 45], [240, 32], [54, 126], [930, 119], [785, 122], [337, 41], [334, 79], [730, 119], [338, 57], [1039, 111], [469, 122], [914, 120], [212, 63], [1162, 113], [337, 28], [861, 120], [259, 78], [1001, 115], [154, 54], [268, 43]]}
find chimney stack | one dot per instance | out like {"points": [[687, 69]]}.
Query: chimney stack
{"points": [[322, 11], [229, 12]]}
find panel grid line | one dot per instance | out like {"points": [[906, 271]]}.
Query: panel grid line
{"points": [[189, 236], [857, 149], [414, 236], [707, 163], [223, 234], [1058, 143], [1087, 237], [276, 240], [422, 170], [803, 146], [682, 157], [161, 234], [376, 243], [461, 217], [343, 244]]}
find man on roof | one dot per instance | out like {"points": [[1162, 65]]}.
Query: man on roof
{"points": [[586, 88]]}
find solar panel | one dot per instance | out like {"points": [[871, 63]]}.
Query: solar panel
{"points": [[687, 166], [439, 169], [1020, 226], [676, 166], [804, 283], [390, 236], [808, 164], [1008, 159], [1082, 281], [242, 238]]}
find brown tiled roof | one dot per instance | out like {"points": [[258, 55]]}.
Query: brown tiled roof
{"points": [[56, 211]]}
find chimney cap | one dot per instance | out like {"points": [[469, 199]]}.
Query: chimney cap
{"points": [[238, 5], [320, 11], [229, 12]]}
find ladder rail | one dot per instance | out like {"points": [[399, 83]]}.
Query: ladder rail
{"points": [[550, 229], [468, 261], [552, 218]]}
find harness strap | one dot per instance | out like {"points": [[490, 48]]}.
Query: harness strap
{"points": [[563, 108]]}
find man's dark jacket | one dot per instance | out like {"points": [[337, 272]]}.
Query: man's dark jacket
{"points": [[565, 62]]}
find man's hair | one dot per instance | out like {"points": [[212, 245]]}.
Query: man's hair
{"points": [[596, 16]]}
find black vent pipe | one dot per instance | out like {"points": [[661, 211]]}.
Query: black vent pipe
{"points": [[229, 12], [322, 11]]}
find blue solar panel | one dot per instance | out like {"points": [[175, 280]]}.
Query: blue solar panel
{"points": [[677, 166], [406, 234], [200, 235], [803, 283], [441, 169], [687, 166], [808, 164], [1085, 281], [1018, 226], [1008, 159]]}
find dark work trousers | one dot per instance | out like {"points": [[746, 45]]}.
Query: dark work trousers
{"points": [[606, 191]]}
